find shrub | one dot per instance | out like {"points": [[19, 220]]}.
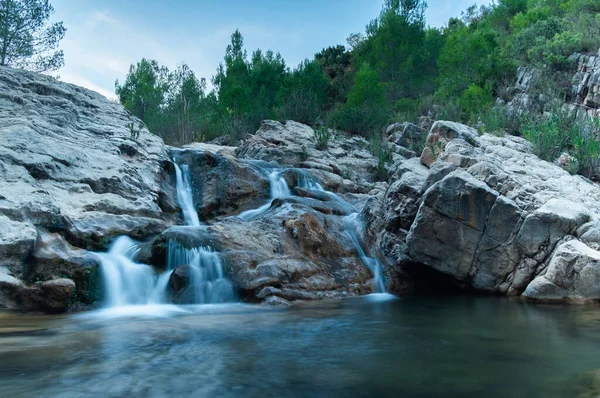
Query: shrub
{"points": [[586, 148], [499, 120], [322, 136], [474, 100], [366, 120], [301, 105], [236, 126], [547, 135], [552, 135], [381, 151], [451, 110]]}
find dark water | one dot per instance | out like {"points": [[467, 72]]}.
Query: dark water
{"points": [[446, 347]]}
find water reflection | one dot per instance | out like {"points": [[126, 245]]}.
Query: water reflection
{"points": [[370, 346]]}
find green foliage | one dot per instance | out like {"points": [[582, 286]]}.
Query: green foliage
{"points": [[144, 90], [383, 154], [322, 136], [395, 46], [336, 62], [26, 39], [549, 135], [552, 135], [366, 111], [303, 94], [475, 100], [586, 148], [499, 121]]}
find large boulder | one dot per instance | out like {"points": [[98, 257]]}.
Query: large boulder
{"points": [[74, 163], [298, 249], [346, 158], [490, 216], [573, 275]]}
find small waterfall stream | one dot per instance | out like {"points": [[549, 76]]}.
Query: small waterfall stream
{"points": [[184, 195], [278, 189], [351, 222], [127, 282]]}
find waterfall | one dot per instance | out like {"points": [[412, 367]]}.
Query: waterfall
{"points": [[207, 281], [278, 189], [307, 181], [127, 282], [184, 195], [351, 222]]}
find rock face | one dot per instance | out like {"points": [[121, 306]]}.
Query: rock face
{"points": [[346, 165], [69, 164], [583, 98], [294, 251], [474, 212], [586, 85], [493, 217]]}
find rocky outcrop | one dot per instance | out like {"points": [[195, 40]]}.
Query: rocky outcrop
{"points": [[293, 252], [69, 164], [346, 165], [585, 93], [493, 217], [582, 98]]}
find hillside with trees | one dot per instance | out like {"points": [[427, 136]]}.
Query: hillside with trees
{"points": [[398, 69]]}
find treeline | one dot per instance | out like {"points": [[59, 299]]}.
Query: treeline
{"points": [[398, 69]]}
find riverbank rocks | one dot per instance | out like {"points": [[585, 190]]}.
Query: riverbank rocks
{"points": [[74, 163], [487, 213], [345, 165], [292, 251], [51, 296]]}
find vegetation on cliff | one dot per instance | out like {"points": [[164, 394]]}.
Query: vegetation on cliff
{"points": [[399, 69]]}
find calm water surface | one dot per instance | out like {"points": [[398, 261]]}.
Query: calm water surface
{"points": [[415, 347]]}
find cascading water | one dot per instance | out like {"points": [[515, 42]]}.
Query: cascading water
{"points": [[351, 222], [278, 189], [184, 195], [307, 181], [207, 281], [127, 282]]}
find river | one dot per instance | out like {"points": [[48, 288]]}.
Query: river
{"points": [[364, 347]]}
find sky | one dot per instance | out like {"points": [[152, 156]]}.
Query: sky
{"points": [[105, 36]]}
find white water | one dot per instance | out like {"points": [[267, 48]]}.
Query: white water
{"points": [[125, 281], [351, 222], [207, 280], [307, 181], [184, 195], [128, 283], [278, 189]]}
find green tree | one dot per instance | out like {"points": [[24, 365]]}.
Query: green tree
{"points": [[27, 40], [394, 46], [304, 92], [336, 62], [366, 110], [144, 90], [185, 101]]}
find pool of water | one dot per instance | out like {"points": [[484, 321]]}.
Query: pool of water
{"points": [[367, 347]]}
